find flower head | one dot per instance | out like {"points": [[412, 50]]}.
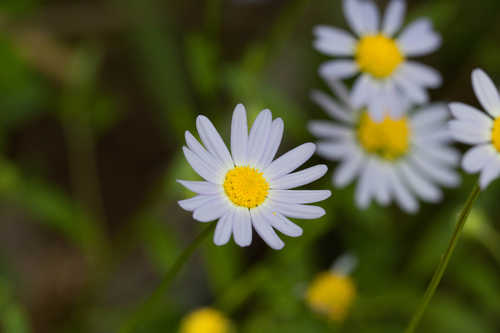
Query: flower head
{"points": [[481, 129], [332, 292], [388, 79], [396, 159], [247, 187], [206, 320]]}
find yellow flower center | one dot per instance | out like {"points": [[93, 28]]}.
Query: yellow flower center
{"points": [[390, 138], [332, 295], [378, 55], [205, 320], [495, 134], [246, 187]]}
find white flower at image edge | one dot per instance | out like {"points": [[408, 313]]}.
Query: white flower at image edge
{"points": [[397, 159], [247, 187], [481, 129], [388, 80]]}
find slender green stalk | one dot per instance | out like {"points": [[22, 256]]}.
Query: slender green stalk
{"points": [[438, 274], [156, 297]]}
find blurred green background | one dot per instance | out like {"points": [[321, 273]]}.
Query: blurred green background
{"points": [[95, 97]]}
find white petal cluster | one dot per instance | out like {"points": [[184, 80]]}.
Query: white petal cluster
{"points": [[255, 149], [407, 84]]}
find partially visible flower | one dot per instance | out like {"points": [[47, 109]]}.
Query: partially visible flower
{"points": [[205, 320], [481, 129], [333, 292], [397, 159], [246, 187], [388, 80]]}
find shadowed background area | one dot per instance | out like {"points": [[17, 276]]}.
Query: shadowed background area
{"points": [[95, 97]]}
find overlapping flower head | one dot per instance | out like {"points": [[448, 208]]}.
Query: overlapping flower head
{"points": [[387, 80], [247, 187], [400, 159], [481, 129]]}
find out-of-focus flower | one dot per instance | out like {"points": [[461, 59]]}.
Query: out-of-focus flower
{"points": [[246, 187], [396, 159], [206, 320], [333, 292], [481, 129], [388, 80]]}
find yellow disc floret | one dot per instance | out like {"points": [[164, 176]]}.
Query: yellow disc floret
{"points": [[378, 55], [495, 134], [205, 320], [390, 138], [331, 294], [246, 187]]}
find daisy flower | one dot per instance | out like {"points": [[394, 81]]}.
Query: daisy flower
{"points": [[481, 129], [246, 187], [388, 80], [333, 292], [398, 159], [206, 320]]}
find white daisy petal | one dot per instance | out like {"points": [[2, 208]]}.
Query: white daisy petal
{"points": [[381, 187], [265, 231], [200, 166], [201, 187], [332, 108], [333, 41], [326, 129], [212, 210], [421, 186], [272, 144], [419, 39], [340, 90], [470, 114], [298, 211], [486, 92], [439, 173], [364, 193], [242, 227], [281, 223], [299, 178], [442, 154], [429, 117], [193, 144], [289, 161], [258, 136], [223, 230], [413, 91], [394, 16], [353, 12], [335, 150], [421, 74], [371, 17], [338, 69], [466, 132], [195, 202], [361, 91], [401, 194], [239, 135], [213, 141], [477, 157], [297, 196], [490, 172], [348, 169]]}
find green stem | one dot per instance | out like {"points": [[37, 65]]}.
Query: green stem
{"points": [[438, 274], [156, 297]]}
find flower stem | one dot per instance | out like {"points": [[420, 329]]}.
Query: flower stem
{"points": [[438, 274], [154, 301]]}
